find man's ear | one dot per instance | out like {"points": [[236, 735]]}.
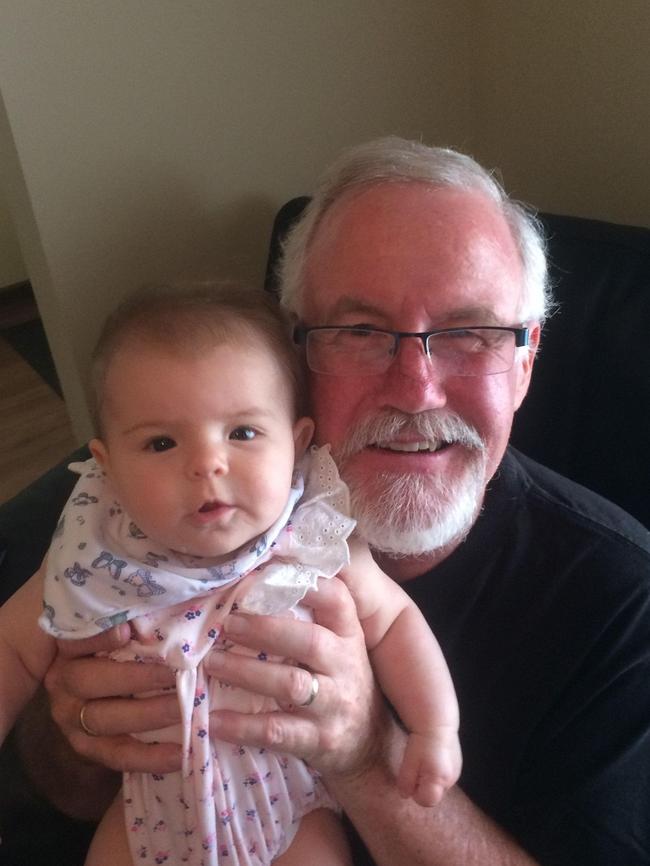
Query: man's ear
{"points": [[100, 452], [525, 364], [303, 433]]}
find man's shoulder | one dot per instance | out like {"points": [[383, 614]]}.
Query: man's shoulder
{"points": [[557, 504]]}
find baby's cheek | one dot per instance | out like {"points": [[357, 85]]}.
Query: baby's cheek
{"points": [[271, 499]]}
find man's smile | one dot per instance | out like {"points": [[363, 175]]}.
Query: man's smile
{"points": [[427, 446]]}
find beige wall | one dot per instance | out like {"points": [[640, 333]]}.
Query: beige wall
{"points": [[146, 140], [561, 92], [12, 266]]}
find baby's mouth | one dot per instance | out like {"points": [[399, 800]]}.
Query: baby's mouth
{"points": [[213, 511]]}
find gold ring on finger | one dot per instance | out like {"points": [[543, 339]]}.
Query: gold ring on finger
{"points": [[83, 724]]}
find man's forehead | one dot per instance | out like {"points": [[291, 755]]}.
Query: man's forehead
{"points": [[399, 219], [408, 237], [350, 304]]}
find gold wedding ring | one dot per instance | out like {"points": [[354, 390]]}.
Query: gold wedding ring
{"points": [[84, 725]]}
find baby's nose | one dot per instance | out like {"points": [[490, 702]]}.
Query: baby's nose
{"points": [[207, 461]]}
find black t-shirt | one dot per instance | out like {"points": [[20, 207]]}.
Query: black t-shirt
{"points": [[543, 614]]}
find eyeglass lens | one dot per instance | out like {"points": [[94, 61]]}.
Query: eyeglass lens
{"points": [[460, 352]]}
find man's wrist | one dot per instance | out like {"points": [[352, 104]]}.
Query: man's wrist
{"points": [[379, 758]]}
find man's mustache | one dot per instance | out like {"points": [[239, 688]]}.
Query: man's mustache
{"points": [[435, 427]]}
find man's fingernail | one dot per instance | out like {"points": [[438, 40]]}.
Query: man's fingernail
{"points": [[235, 624]]}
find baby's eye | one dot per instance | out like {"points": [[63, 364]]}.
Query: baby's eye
{"points": [[243, 434], [160, 443]]}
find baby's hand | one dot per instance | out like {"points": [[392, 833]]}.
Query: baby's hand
{"points": [[431, 764]]}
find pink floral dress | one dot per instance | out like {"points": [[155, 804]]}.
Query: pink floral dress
{"points": [[230, 804]]}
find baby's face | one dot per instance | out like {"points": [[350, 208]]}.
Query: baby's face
{"points": [[200, 449]]}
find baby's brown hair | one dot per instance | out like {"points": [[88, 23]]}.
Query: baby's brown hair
{"points": [[187, 320]]}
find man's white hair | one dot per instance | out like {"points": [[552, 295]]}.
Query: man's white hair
{"points": [[397, 160]]}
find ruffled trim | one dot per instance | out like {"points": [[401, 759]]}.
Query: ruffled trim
{"points": [[313, 544]]}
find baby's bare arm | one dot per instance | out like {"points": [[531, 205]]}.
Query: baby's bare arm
{"points": [[377, 598], [413, 674], [26, 651], [406, 657]]}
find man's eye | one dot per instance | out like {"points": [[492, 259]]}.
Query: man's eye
{"points": [[243, 434], [160, 443]]}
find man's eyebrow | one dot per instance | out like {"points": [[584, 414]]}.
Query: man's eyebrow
{"points": [[475, 315], [472, 316], [349, 304]]}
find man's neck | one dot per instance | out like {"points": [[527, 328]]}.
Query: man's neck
{"points": [[403, 568]]}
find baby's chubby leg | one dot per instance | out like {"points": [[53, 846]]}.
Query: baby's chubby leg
{"points": [[320, 841], [110, 846]]}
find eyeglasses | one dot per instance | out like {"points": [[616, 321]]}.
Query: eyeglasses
{"points": [[349, 350]]}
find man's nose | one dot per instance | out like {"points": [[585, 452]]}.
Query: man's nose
{"points": [[415, 381]]}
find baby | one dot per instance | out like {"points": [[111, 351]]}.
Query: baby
{"points": [[203, 497]]}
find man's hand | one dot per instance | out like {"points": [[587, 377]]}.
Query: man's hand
{"points": [[339, 732], [106, 688]]}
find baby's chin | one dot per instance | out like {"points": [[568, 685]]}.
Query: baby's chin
{"points": [[207, 556]]}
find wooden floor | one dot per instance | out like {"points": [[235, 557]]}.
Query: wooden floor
{"points": [[34, 429]]}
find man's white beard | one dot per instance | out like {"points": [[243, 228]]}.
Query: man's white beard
{"points": [[414, 514]]}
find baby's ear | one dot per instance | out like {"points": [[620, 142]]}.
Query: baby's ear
{"points": [[303, 432], [99, 452]]}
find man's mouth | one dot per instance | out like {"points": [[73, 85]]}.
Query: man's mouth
{"points": [[426, 446], [421, 435]]}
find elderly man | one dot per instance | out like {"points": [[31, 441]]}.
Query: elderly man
{"points": [[420, 290]]}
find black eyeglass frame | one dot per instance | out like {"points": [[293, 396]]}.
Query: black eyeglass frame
{"points": [[522, 334]]}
